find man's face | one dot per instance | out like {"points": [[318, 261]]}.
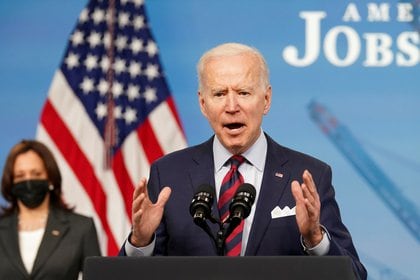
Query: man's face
{"points": [[234, 100]]}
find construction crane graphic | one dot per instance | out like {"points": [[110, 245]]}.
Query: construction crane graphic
{"points": [[403, 208]]}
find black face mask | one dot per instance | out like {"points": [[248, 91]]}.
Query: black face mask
{"points": [[31, 192]]}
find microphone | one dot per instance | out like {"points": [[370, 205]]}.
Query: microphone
{"points": [[240, 207], [200, 208], [201, 204], [241, 204]]}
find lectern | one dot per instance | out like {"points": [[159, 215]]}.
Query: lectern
{"points": [[212, 268]]}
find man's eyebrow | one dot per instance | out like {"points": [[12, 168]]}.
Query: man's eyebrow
{"points": [[214, 90]]}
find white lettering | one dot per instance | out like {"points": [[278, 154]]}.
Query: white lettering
{"points": [[351, 13], [411, 51], [405, 12], [312, 40], [378, 13], [342, 45], [330, 46], [378, 50]]}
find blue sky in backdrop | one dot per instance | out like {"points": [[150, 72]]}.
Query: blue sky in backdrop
{"points": [[380, 105]]}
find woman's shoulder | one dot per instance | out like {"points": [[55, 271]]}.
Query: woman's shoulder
{"points": [[72, 216]]}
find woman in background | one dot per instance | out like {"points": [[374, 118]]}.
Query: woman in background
{"points": [[40, 236]]}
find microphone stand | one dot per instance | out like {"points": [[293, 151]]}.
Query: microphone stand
{"points": [[225, 229], [223, 233], [220, 238]]}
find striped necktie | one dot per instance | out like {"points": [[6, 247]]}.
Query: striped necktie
{"points": [[232, 180]]}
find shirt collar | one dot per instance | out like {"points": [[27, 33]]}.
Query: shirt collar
{"points": [[255, 155]]}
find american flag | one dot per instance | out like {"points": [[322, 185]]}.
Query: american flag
{"points": [[109, 114]]}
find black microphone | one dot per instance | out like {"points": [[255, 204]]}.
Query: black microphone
{"points": [[241, 204], [200, 208], [201, 204], [240, 207]]}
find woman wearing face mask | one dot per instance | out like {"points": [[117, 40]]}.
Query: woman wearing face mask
{"points": [[40, 236]]}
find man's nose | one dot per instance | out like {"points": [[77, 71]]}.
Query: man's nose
{"points": [[232, 104]]}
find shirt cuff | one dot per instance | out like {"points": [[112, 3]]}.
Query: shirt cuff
{"points": [[133, 251], [322, 248]]}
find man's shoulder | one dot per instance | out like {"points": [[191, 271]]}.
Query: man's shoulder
{"points": [[202, 149]]}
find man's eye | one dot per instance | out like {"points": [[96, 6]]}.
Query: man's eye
{"points": [[218, 94], [244, 93]]}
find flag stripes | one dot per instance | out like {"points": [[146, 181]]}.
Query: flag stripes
{"points": [[74, 117]]}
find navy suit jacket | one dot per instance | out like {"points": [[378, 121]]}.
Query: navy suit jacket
{"points": [[187, 169], [68, 239]]}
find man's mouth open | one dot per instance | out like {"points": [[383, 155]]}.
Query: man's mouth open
{"points": [[234, 126]]}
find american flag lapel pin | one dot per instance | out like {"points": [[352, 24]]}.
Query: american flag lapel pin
{"points": [[278, 174]]}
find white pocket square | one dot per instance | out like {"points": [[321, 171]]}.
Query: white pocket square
{"points": [[286, 211]]}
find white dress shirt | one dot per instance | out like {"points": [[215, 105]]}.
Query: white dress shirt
{"points": [[252, 171]]}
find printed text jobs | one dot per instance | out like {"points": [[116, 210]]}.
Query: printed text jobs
{"points": [[378, 46]]}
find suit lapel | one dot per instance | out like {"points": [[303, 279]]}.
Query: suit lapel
{"points": [[10, 242], [274, 182], [57, 227], [203, 160]]}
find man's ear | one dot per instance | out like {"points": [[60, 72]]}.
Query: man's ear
{"points": [[267, 97], [201, 101]]}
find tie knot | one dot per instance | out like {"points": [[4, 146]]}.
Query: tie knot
{"points": [[236, 161]]}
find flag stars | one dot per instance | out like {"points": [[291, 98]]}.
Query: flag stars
{"points": [[91, 62], [151, 71], [123, 19], [77, 38], [98, 16], [105, 64], [133, 92], [150, 95], [94, 39], [138, 22], [136, 46], [138, 3], [134, 69], [119, 66], [84, 15], [117, 89], [103, 87], [151, 48], [87, 85], [121, 42], [101, 110], [130, 115], [72, 61]]}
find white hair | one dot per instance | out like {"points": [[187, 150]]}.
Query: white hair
{"points": [[232, 49]]}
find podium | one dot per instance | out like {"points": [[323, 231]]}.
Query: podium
{"points": [[220, 268]]}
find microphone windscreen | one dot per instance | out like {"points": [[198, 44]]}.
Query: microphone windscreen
{"points": [[206, 188], [247, 188]]}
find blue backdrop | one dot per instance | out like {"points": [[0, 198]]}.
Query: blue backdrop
{"points": [[366, 73]]}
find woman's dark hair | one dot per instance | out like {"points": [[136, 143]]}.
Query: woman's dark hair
{"points": [[53, 173]]}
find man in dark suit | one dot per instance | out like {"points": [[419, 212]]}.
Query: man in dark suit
{"points": [[295, 212]]}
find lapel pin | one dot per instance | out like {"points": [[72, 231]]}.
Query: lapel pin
{"points": [[278, 174], [55, 232]]}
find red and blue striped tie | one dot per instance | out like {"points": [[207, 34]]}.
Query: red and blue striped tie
{"points": [[232, 180]]}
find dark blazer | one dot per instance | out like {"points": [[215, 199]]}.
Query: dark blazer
{"points": [[187, 169], [68, 239]]}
